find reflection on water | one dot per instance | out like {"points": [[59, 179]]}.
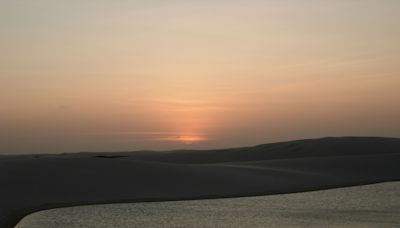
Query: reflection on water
{"points": [[364, 206]]}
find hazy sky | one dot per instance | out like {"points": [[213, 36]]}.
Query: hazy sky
{"points": [[128, 75]]}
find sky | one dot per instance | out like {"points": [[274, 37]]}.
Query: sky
{"points": [[162, 75]]}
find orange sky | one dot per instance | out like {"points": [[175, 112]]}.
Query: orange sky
{"points": [[129, 75]]}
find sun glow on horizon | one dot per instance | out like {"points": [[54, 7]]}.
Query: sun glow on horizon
{"points": [[189, 119], [162, 75], [185, 139]]}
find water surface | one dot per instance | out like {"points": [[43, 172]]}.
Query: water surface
{"points": [[362, 206]]}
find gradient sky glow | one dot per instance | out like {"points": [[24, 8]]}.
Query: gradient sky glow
{"points": [[130, 75]]}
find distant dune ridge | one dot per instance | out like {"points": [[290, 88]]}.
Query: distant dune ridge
{"points": [[34, 182]]}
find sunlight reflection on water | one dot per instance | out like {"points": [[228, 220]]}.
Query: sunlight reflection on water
{"points": [[364, 206]]}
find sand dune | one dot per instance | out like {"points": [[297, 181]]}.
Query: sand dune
{"points": [[34, 182]]}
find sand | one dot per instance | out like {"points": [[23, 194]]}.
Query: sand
{"points": [[31, 183]]}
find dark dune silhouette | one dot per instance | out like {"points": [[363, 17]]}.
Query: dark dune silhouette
{"points": [[34, 182]]}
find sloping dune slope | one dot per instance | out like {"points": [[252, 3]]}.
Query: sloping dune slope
{"points": [[35, 182]]}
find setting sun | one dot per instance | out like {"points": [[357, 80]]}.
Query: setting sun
{"points": [[153, 75], [185, 139]]}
